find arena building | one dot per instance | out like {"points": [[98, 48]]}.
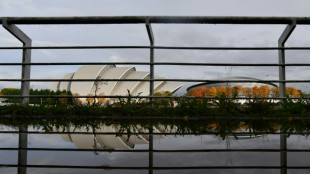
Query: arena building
{"points": [[113, 88], [256, 82]]}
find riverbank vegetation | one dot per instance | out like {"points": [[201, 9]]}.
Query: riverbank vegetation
{"points": [[263, 91], [222, 127], [222, 105]]}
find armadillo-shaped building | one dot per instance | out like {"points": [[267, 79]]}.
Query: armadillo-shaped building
{"points": [[113, 88]]}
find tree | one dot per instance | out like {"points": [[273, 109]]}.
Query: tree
{"points": [[211, 92], [247, 92], [164, 94], [63, 100], [264, 91], [221, 91], [11, 91], [90, 99], [255, 92], [196, 92], [203, 91], [76, 100], [275, 92], [101, 100], [237, 90], [229, 91], [292, 92]]}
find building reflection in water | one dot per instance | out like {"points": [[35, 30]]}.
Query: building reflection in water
{"points": [[114, 139]]}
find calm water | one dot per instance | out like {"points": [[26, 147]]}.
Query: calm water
{"points": [[85, 149]]}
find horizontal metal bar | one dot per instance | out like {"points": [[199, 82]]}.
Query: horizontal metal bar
{"points": [[155, 151], [205, 132], [74, 150], [116, 96], [148, 80], [163, 97], [153, 168], [155, 20], [80, 63], [155, 63], [74, 167], [157, 47]]}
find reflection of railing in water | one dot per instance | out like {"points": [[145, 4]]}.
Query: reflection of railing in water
{"points": [[23, 166], [79, 131]]}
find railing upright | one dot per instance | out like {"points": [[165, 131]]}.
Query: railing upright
{"points": [[151, 38], [281, 43], [26, 69]]}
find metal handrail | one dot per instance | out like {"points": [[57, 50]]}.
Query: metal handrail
{"points": [[10, 23], [143, 97], [156, 47], [155, 20], [155, 63]]}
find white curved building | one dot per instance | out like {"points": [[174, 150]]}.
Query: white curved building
{"points": [[113, 88]]}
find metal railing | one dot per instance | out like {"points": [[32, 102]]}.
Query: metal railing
{"points": [[9, 23], [22, 163]]}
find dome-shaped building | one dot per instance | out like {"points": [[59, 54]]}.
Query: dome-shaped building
{"points": [[113, 88], [214, 83], [218, 87]]}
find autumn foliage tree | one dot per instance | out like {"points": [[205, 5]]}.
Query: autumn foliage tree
{"points": [[275, 92], [101, 100], [236, 90], [221, 91], [263, 91], [76, 100], [90, 99], [247, 92], [164, 94], [292, 92]]}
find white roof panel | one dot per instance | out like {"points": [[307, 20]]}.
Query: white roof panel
{"points": [[168, 86], [65, 85], [144, 87], [87, 72], [106, 87], [122, 87], [54, 86]]}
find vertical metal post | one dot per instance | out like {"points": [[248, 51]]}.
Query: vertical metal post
{"points": [[151, 149], [20, 35], [283, 153], [283, 139], [22, 154], [281, 42], [151, 38]]}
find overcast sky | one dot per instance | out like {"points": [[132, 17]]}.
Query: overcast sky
{"points": [[172, 35]]}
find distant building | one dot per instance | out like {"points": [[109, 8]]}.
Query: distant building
{"points": [[232, 84], [116, 88], [234, 89]]}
